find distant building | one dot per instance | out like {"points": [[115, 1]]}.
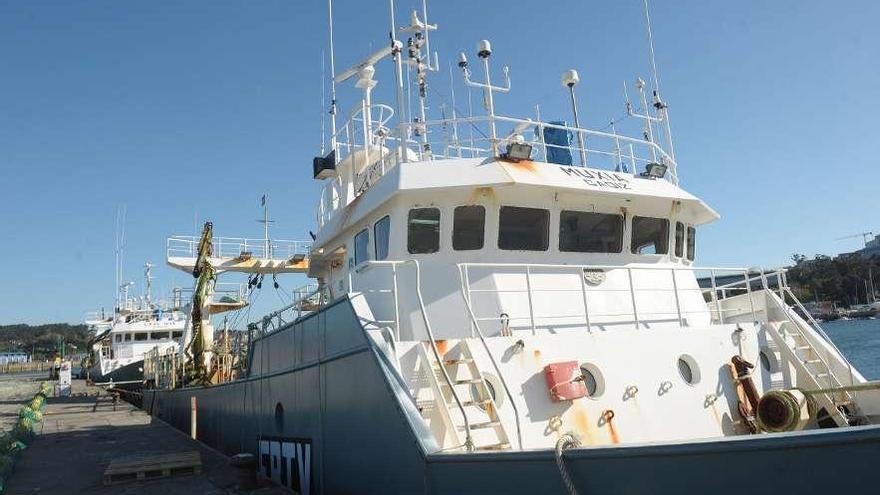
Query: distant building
{"points": [[871, 249], [13, 357]]}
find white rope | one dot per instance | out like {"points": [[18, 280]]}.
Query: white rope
{"points": [[566, 441]]}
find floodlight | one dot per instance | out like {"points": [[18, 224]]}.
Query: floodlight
{"points": [[655, 170], [518, 151]]}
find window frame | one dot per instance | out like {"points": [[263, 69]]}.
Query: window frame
{"points": [[387, 243], [483, 229], [365, 232], [632, 231], [621, 236], [679, 240], [546, 240], [691, 243], [409, 246]]}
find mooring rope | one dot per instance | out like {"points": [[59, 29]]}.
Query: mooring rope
{"points": [[566, 441]]}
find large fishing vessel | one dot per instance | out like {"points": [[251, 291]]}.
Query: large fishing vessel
{"points": [[512, 305]]}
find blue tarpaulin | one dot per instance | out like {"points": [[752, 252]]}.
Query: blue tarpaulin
{"points": [[558, 143]]}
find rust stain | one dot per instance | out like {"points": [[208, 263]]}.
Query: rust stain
{"points": [[582, 424], [612, 430], [482, 192], [714, 412], [524, 165], [442, 347]]}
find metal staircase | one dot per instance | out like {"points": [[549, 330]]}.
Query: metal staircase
{"points": [[468, 391], [810, 364]]}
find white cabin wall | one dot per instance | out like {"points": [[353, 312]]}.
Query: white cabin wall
{"points": [[441, 285]]}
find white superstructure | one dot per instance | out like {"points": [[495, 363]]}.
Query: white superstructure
{"points": [[489, 252]]}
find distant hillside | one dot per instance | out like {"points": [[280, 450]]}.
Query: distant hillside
{"points": [[44, 340]]}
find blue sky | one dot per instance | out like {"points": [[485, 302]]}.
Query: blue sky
{"points": [[187, 111]]}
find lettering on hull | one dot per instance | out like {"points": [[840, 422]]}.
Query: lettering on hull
{"points": [[598, 178], [288, 462]]}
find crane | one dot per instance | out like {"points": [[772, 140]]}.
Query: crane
{"points": [[864, 235]]}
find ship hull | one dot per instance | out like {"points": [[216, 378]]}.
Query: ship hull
{"points": [[330, 416], [132, 372]]}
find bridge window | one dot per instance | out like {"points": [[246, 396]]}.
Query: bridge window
{"points": [[692, 243], [361, 242], [141, 336], [523, 229], [585, 232], [468, 226], [650, 235], [159, 335], [118, 337], [176, 334], [679, 240], [423, 231], [127, 337], [381, 232]]}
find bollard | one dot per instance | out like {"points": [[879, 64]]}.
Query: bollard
{"points": [[245, 467]]}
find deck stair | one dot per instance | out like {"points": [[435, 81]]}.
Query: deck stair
{"points": [[798, 350], [484, 425]]}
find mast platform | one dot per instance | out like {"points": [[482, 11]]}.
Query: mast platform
{"points": [[235, 254]]}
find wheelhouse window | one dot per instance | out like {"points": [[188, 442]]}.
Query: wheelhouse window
{"points": [[159, 335], [361, 243], [586, 232], [650, 235], [141, 336], [523, 229], [118, 338], [423, 231], [176, 334], [679, 240], [691, 243], [468, 227], [127, 337], [381, 233]]}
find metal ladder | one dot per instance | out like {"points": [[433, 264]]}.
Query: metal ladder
{"points": [[798, 350], [477, 401]]}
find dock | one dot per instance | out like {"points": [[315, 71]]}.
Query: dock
{"points": [[95, 443]]}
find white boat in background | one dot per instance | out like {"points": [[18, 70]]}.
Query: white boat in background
{"points": [[517, 310], [137, 326]]}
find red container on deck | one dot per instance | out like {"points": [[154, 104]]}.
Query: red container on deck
{"points": [[563, 381]]}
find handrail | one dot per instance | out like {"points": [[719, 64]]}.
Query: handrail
{"points": [[821, 332], [469, 442], [716, 310], [300, 295], [467, 303]]}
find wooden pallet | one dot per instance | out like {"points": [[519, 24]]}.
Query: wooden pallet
{"points": [[152, 466]]}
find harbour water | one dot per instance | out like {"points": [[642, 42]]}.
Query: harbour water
{"points": [[859, 340]]}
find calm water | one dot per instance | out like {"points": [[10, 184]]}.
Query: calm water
{"points": [[859, 340]]}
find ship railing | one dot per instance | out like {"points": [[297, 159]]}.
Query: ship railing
{"points": [[230, 292], [382, 148], [236, 247], [443, 139], [98, 317], [304, 299], [590, 281]]}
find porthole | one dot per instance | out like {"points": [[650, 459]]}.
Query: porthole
{"points": [[688, 369], [493, 386], [279, 417], [768, 360], [593, 380]]}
